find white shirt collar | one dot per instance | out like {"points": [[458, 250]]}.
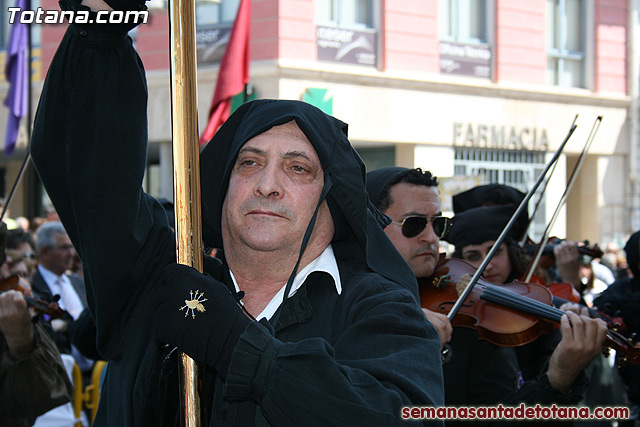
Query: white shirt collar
{"points": [[69, 299], [326, 262], [50, 277]]}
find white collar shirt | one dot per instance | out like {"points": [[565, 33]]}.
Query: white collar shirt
{"points": [[326, 262], [61, 285]]}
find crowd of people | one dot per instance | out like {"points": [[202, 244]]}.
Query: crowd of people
{"points": [[41, 284], [313, 310]]}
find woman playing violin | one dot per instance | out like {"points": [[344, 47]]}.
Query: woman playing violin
{"points": [[478, 373], [473, 235]]}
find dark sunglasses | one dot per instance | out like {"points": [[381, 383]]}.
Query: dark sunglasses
{"points": [[413, 225]]}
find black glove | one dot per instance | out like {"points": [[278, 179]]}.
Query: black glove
{"points": [[115, 4], [126, 22], [127, 4], [197, 314]]}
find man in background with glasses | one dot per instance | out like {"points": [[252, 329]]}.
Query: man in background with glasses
{"points": [[55, 256]]}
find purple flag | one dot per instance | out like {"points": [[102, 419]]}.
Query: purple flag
{"points": [[17, 74]]}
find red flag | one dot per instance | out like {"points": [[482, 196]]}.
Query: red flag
{"points": [[234, 71]]}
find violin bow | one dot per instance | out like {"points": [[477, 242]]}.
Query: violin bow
{"points": [[15, 184], [541, 195], [503, 235], [563, 199]]}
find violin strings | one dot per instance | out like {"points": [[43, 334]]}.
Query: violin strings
{"points": [[528, 305], [532, 306], [557, 301]]}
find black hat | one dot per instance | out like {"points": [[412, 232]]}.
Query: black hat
{"points": [[487, 195], [494, 195], [475, 226]]}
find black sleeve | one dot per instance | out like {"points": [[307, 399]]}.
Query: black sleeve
{"points": [[622, 299], [83, 335], [478, 372], [89, 148]]}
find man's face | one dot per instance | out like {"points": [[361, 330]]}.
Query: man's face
{"points": [[274, 188], [499, 268], [421, 251], [58, 259]]}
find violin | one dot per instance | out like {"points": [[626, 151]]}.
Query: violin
{"points": [[561, 290], [52, 309], [508, 315], [547, 258]]}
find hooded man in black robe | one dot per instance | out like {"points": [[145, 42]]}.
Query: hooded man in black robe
{"points": [[283, 196]]}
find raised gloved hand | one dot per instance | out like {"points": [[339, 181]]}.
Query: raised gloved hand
{"points": [[96, 5], [126, 4], [90, 9], [197, 314]]}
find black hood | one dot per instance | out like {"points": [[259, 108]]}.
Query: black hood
{"points": [[355, 218]]}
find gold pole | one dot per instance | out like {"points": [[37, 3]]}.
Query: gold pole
{"points": [[186, 171]]}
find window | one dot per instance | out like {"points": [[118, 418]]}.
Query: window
{"points": [[210, 12], [463, 21], [214, 19], [5, 26], [565, 43], [345, 31], [377, 157], [464, 43], [345, 13]]}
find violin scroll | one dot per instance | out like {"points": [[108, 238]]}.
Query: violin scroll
{"points": [[627, 348]]}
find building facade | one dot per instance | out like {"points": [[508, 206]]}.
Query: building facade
{"points": [[476, 91]]}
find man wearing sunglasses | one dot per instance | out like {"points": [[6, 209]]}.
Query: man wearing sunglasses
{"points": [[411, 199]]}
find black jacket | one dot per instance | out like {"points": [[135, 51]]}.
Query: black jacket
{"points": [[41, 291], [353, 358], [622, 299]]}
